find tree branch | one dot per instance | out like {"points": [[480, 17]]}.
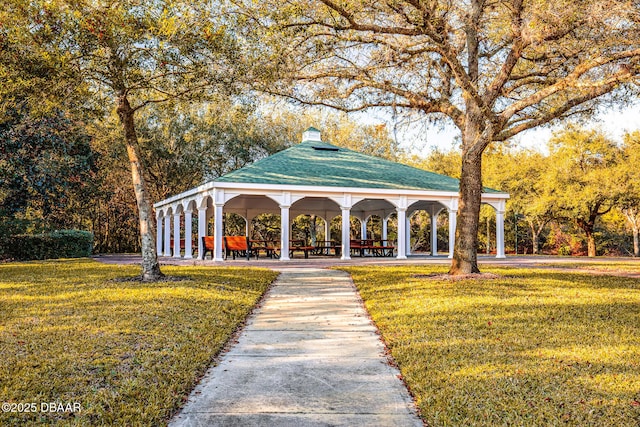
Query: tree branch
{"points": [[572, 81]]}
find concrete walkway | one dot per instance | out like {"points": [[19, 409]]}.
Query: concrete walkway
{"points": [[309, 356]]}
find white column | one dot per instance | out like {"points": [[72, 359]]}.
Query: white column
{"points": [[363, 229], [385, 223], [408, 235], [327, 228], [500, 234], [202, 230], [434, 233], [284, 232], [167, 235], [402, 233], [217, 233], [346, 232], [176, 235], [159, 235], [188, 235], [452, 230]]}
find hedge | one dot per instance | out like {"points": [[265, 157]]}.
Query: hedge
{"points": [[56, 244]]}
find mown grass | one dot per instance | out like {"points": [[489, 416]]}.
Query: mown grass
{"points": [[128, 352], [532, 348], [610, 266]]}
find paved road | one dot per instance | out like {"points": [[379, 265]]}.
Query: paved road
{"points": [[309, 356]]}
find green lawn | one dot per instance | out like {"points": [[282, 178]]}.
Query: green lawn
{"points": [[127, 352], [532, 348], [612, 266]]}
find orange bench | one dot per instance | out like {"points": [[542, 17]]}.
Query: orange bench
{"points": [[238, 245], [207, 246]]}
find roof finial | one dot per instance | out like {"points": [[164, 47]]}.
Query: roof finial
{"points": [[311, 134]]}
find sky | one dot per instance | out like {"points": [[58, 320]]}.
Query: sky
{"points": [[421, 138]]}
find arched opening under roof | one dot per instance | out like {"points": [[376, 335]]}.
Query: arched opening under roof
{"points": [[372, 238], [424, 219], [311, 224], [491, 231]]}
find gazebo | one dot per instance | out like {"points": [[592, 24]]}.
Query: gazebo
{"points": [[315, 177]]}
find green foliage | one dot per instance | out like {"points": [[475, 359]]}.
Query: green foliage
{"points": [[128, 352], [555, 196], [45, 162], [585, 168], [131, 55], [56, 244], [37, 79], [530, 347]]}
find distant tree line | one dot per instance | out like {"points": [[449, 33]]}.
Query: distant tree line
{"points": [[63, 172], [115, 71], [580, 196]]}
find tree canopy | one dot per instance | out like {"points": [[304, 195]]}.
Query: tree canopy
{"points": [[46, 165], [492, 68], [129, 55]]}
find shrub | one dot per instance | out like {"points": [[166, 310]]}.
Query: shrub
{"points": [[56, 244]]}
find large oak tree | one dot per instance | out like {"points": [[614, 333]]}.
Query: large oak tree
{"points": [[492, 68], [130, 54]]}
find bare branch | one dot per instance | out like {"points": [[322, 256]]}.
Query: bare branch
{"points": [[572, 80]]}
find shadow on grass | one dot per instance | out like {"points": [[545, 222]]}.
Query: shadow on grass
{"points": [[71, 334], [536, 347]]}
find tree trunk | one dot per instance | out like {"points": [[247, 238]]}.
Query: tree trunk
{"points": [[536, 228], [150, 267], [588, 228], [633, 218], [536, 241], [591, 244], [465, 256]]}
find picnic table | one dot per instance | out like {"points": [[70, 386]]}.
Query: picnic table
{"points": [[372, 247], [269, 247], [324, 247], [300, 246]]}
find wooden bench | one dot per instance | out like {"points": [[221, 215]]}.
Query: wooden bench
{"points": [[300, 246], [207, 246], [238, 245]]}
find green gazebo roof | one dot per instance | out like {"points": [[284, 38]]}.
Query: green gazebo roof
{"points": [[319, 164]]}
